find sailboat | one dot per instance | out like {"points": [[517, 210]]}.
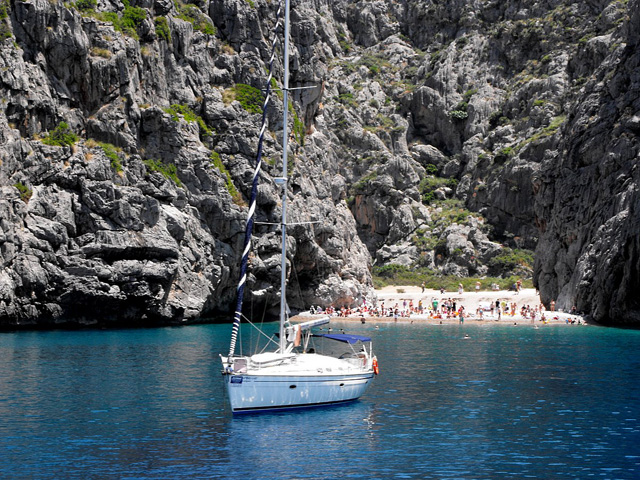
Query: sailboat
{"points": [[303, 369]]}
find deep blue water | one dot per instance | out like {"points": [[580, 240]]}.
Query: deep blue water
{"points": [[509, 402]]}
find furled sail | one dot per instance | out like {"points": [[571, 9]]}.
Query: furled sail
{"points": [[254, 190]]}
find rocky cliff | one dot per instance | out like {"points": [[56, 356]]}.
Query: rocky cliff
{"points": [[432, 134]]}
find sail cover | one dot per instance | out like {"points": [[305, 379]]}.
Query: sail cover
{"points": [[254, 194]]}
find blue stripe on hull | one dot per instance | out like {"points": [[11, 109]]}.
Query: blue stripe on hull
{"points": [[249, 410]]}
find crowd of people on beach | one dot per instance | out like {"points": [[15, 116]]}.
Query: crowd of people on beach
{"points": [[440, 309], [500, 308], [449, 308]]}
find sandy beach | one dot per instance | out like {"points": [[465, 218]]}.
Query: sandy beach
{"points": [[471, 301]]}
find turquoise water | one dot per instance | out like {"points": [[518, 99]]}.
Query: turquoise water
{"points": [[509, 402]]}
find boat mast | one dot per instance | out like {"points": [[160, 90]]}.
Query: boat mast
{"points": [[254, 194], [285, 139]]}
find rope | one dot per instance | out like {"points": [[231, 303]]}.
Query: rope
{"points": [[254, 190]]}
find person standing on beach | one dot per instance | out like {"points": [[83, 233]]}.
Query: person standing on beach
{"points": [[461, 315], [423, 287], [477, 287], [460, 289]]}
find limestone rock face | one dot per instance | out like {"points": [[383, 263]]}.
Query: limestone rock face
{"points": [[427, 134], [103, 234], [587, 205]]}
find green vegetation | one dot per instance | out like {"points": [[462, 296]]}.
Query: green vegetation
{"points": [[375, 63], [178, 111], [111, 152], [25, 192], [504, 154], [127, 23], [162, 28], [431, 169], [394, 274], [459, 112], [342, 39], [360, 185], [547, 131], [291, 165], [451, 211], [86, 5], [249, 97], [384, 124], [231, 188], [298, 126], [111, 17], [61, 136], [274, 87], [132, 18], [509, 260], [192, 14], [497, 119], [168, 170], [347, 99], [5, 27], [424, 241], [428, 186], [347, 67]]}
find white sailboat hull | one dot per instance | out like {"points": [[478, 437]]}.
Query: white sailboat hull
{"points": [[276, 382], [249, 393]]}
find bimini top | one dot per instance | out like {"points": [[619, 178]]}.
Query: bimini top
{"points": [[346, 338]]}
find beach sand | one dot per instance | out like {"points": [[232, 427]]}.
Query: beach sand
{"points": [[471, 301]]}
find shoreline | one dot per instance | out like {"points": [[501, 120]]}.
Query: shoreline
{"points": [[396, 296]]}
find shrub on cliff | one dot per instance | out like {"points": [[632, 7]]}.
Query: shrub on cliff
{"points": [[112, 154], [86, 5], [162, 28], [5, 26], [25, 192], [61, 136], [177, 110], [127, 23], [249, 97], [192, 14], [231, 188], [510, 260], [168, 170]]}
